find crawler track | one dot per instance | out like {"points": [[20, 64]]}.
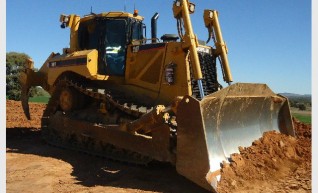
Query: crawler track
{"points": [[81, 142]]}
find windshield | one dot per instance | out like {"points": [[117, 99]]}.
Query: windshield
{"points": [[115, 42], [109, 37]]}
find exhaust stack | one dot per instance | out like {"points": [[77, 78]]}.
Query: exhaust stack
{"points": [[154, 27]]}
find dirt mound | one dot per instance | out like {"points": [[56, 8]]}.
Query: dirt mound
{"points": [[15, 116], [274, 163]]}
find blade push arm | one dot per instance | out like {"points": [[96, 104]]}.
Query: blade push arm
{"points": [[182, 10], [211, 22]]}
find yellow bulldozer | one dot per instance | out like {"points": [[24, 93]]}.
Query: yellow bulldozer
{"points": [[117, 94]]}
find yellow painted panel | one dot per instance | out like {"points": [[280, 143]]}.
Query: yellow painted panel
{"points": [[83, 63]]}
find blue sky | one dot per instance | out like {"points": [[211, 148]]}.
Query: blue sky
{"points": [[269, 41]]}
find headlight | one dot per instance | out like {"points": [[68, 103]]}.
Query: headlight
{"points": [[192, 7]]}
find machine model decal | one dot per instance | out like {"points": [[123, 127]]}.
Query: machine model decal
{"points": [[71, 62]]}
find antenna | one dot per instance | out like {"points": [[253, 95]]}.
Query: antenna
{"points": [[91, 9], [135, 10], [134, 4], [125, 6]]}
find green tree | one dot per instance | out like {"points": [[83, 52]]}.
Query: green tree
{"points": [[302, 107], [292, 103], [14, 65]]}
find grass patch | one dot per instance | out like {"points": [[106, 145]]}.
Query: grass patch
{"points": [[303, 118], [39, 99]]}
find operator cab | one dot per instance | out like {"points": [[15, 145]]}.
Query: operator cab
{"points": [[110, 33]]}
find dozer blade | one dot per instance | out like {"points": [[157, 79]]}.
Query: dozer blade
{"points": [[209, 131], [25, 87]]}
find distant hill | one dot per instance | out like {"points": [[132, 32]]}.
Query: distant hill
{"points": [[286, 94], [296, 99]]}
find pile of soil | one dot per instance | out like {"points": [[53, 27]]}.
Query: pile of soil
{"points": [[16, 118], [274, 163]]}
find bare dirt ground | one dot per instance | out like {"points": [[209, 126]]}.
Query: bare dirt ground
{"points": [[274, 163]]}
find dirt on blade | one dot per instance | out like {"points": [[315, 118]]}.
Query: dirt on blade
{"points": [[273, 163]]}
